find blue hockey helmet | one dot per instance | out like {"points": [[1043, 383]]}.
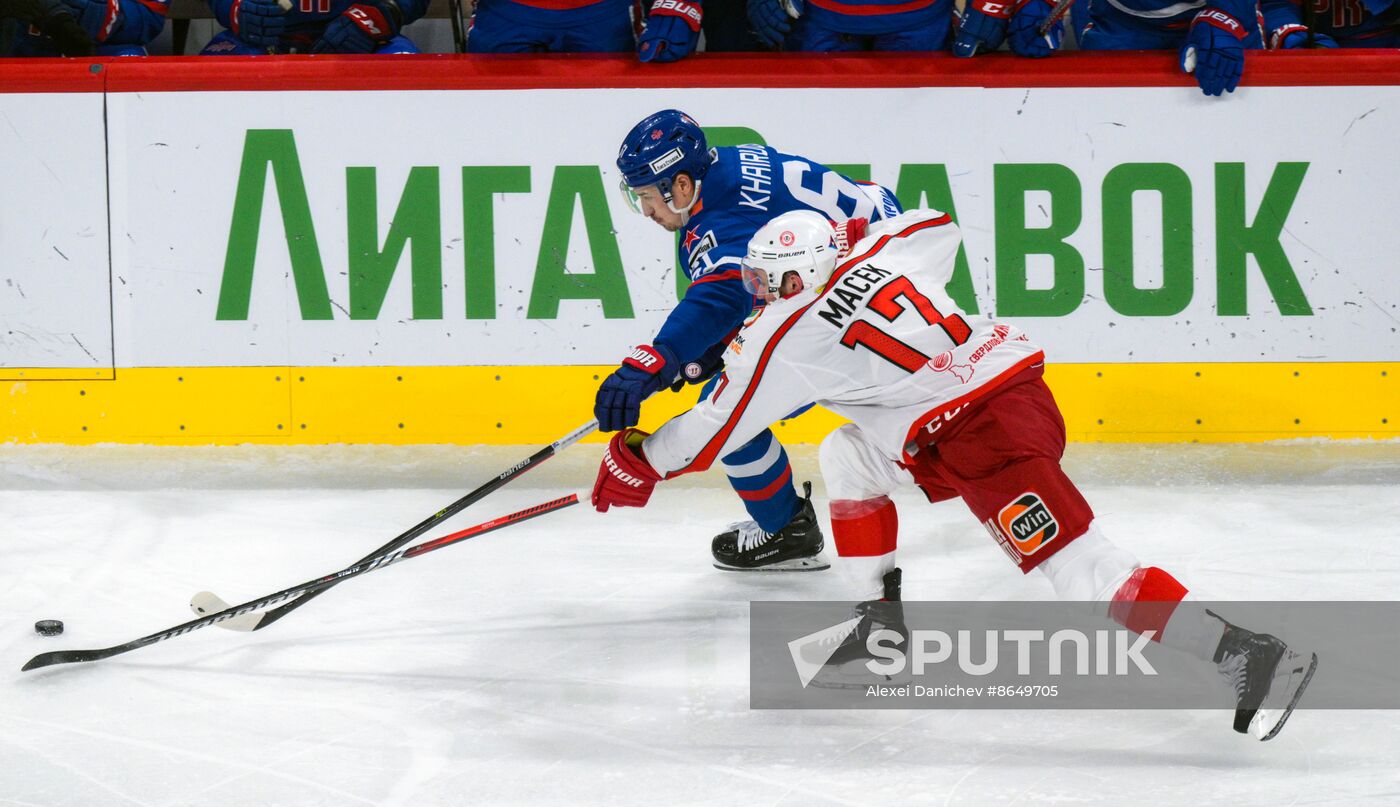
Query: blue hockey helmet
{"points": [[663, 145]]}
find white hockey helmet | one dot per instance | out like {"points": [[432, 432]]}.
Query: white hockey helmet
{"points": [[802, 242]]}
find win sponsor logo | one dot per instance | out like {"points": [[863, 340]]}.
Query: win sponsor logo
{"points": [[1028, 522]]}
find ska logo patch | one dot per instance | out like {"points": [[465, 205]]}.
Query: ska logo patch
{"points": [[1028, 523], [698, 247]]}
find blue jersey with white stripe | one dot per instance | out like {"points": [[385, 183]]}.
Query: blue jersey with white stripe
{"points": [[745, 187]]}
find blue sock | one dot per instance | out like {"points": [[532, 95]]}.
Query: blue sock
{"points": [[762, 476]]}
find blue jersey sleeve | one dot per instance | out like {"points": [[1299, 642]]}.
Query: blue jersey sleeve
{"points": [[713, 308]]}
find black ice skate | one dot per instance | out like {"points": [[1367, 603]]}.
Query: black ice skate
{"points": [[1268, 678], [845, 667], [745, 547]]}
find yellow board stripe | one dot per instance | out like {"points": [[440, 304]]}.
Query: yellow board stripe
{"points": [[533, 405]]}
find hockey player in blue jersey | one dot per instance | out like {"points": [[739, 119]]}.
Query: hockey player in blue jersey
{"points": [[1210, 36], [717, 199], [116, 28], [586, 26], [852, 25], [313, 26], [1332, 23]]}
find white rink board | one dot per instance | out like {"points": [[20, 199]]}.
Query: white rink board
{"points": [[55, 307], [1337, 237]]}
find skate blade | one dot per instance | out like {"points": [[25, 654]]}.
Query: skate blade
{"points": [[815, 563], [1262, 726]]}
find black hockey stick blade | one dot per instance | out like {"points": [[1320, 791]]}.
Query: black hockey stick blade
{"points": [[69, 657], [267, 618], [304, 589]]}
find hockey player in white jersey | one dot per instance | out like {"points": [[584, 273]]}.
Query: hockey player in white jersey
{"points": [[951, 403]]}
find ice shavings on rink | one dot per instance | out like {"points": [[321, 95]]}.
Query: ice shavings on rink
{"points": [[587, 659]]}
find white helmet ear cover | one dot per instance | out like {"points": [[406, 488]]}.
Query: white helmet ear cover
{"points": [[801, 241]]}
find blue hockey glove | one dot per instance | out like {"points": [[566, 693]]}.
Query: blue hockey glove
{"points": [[1214, 51], [362, 28], [96, 17], [673, 29], [1024, 29], [1291, 37], [772, 20], [618, 404], [257, 22], [983, 26]]}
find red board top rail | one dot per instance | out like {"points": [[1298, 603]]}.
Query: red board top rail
{"points": [[475, 72]]}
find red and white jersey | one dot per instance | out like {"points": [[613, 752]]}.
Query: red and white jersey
{"points": [[881, 344]]}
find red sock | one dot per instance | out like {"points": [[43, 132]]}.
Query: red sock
{"points": [[1146, 601], [864, 528], [865, 532]]}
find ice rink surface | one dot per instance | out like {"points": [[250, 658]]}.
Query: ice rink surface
{"points": [[600, 659]]}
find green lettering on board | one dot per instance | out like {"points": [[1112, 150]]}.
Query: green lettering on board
{"points": [[1235, 240], [480, 183], [275, 151], [1014, 241], [1178, 268], [417, 221], [607, 283]]}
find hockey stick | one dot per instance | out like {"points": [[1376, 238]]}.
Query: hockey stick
{"points": [[1309, 17], [1059, 11], [459, 39], [206, 602], [305, 589]]}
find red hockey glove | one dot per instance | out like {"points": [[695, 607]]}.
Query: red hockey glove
{"points": [[848, 233], [625, 478]]}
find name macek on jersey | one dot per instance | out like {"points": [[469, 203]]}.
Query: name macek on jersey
{"points": [[849, 293]]}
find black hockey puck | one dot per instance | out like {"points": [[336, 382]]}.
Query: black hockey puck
{"points": [[48, 627]]}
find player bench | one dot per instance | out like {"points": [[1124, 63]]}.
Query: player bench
{"points": [[183, 11]]}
